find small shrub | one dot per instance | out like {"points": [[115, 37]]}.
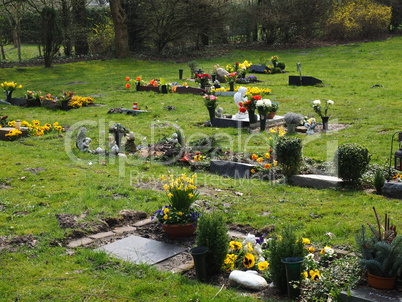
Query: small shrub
{"points": [[289, 155], [351, 161], [286, 245], [212, 233], [101, 39], [379, 180], [293, 118]]}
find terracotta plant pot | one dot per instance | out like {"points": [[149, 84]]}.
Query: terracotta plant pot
{"points": [[381, 282], [176, 230], [271, 115]]}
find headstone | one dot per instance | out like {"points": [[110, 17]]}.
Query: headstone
{"points": [[258, 69], [248, 279], [303, 81], [141, 250], [220, 75]]}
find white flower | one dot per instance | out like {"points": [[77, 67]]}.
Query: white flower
{"points": [[249, 238], [329, 102], [267, 102], [258, 249], [310, 256], [317, 102], [259, 103]]}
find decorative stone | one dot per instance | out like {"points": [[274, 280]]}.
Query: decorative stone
{"points": [[82, 141], [220, 75], [248, 279], [392, 189], [369, 294]]}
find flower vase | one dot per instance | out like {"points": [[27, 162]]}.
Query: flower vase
{"points": [[211, 111], [291, 128], [64, 105], [178, 230], [202, 85], [164, 89], [263, 122], [231, 86], [293, 274], [199, 253], [325, 122], [8, 95], [252, 117]]}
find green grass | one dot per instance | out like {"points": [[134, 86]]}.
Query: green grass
{"points": [[73, 182]]}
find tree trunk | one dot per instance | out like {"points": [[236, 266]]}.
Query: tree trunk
{"points": [[120, 29]]}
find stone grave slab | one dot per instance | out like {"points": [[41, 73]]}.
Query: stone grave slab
{"points": [[233, 122], [368, 294], [141, 250], [316, 181], [132, 111], [231, 169]]}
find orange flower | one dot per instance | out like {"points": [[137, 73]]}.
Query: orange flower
{"points": [[260, 159], [138, 79], [128, 86], [267, 166], [254, 156], [127, 79]]}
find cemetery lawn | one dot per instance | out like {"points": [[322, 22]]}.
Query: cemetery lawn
{"points": [[45, 176]]}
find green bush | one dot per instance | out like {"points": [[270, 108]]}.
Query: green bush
{"points": [[285, 245], [379, 180], [358, 19], [351, 161], [212, 233], [101, 39], [289, 155]]}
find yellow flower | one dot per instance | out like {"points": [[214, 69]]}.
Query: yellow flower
{"points": [[249, 260], [235, 245], [254, 156], [306, 241], [166, 187], [275, 162], [252, 171], [163, 177], [315, 275], [263, 265], [180, 213], [260, 159], [165, 217], [267, 155], [170, 195], [304, 275], [166, 210], [249, 247], [190, 195], [311, 249]]}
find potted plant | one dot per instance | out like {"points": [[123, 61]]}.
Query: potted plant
{"points": [[210, 102], [34, 98], [263, 107], [65, 99], [178, 218], [9, 87], [323, 112], [202, 79], [380, 253], [292, 120]]}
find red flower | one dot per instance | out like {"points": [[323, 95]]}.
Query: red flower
{"points": [[128, 86], [242, 109], [237, 63], [256, 97], [127, 79], [240, 104]]}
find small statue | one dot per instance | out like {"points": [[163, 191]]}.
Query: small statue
{"points": [[174, 139], [218, 113], [310, 125], [115, 149], [240, 97], [130, 146], [82, 142]]}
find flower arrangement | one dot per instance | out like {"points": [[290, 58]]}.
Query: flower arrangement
{"points": [[263, 106], [65, 96], [35, 128], [264, 162], [239, 68], [246, 255], [181, 193], [202, 78], [34, 96], [80, 101], [276, 67], [251, 103], [318, 108], [231, 77], [13, 134], [10, 86], [210, 101]]}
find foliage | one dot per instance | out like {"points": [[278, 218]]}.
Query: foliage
{"points": [[212, 233], [210, 101], [358, 20], [351, 161], [101, 38], [326, 282], [282, 246], [51, 35]]}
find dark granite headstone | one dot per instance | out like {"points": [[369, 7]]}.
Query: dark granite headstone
{"points": [[231, 169], [192, 90], [303, 81], [258, 69]]}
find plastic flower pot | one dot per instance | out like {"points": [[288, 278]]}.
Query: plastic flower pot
{"points": [[293, 272], [325, 122], [198, 254], [180, 74]]}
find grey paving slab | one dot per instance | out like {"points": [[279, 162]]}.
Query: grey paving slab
{"points": [[124, 229], [141, 250], [316, 181], [79, 242], [371, 295], [101, 235]]}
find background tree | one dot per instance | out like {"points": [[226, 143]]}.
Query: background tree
{"points": [[120, 29], [79, 27], [51, 35]]}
